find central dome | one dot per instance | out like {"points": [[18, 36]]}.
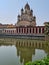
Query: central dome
{"points": [[27, 6]]}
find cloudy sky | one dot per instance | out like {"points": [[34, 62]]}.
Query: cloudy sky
{"points": [[9, 9]]}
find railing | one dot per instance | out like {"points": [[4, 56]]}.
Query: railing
{"points": [[23, 36]]}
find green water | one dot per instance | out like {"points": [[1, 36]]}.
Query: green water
{"points": [[21, 51]]}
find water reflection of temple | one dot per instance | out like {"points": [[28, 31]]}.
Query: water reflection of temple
{"points": [[33, 44], [26, 49], [25, 54]]}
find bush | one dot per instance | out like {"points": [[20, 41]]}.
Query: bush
{"points": [[44, 61]]}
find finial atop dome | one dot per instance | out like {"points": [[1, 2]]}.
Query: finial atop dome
{"points": [[27, 6], [22, 9]]}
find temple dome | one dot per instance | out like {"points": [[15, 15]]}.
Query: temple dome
{"points": [[27, 6], [22, 9]]}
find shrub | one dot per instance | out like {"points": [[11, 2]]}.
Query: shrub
{"points": [[44, 61]]}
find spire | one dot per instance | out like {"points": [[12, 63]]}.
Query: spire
{"points": [[27, 6]]}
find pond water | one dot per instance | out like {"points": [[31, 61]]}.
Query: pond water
{"points": [[20, 51]]}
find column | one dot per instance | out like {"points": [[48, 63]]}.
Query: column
{"points": [[18, 30], [38, 30], [31, 30], [28, 30], [41, 30], [23, 30], [34, 30], [14, 31]]}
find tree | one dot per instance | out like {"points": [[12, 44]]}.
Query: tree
{"points": [[47, 29]]}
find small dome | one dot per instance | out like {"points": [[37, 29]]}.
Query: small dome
{"points": [[18, 15], [27, 6], [22, 9], [34, 17], [31, 10]]}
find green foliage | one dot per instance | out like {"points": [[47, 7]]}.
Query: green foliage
{"points": [[44, 61], [47, 29]]}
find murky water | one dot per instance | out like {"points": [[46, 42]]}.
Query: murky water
{"points": [[20, 51]]}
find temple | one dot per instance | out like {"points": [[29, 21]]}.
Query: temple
{"points": [[26, 18], [25, 26]]}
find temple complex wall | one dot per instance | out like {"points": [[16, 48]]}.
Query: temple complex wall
{"points": [[25, 30]]}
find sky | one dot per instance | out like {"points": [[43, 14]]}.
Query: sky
{"points": [[9, 10]]}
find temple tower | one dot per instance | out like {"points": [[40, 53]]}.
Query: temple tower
{"points": [[26, 18]]}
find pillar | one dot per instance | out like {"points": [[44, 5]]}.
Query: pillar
{"points": [[31, 30], [34, 30], [18, 30], [41, 30], [38, 30], [23, 30], [28, 30]]}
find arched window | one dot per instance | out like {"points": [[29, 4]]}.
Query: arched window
{"points": [[33, 30], [19, 30], [13, 31], [27, 30], [30, 30], [22, 30], [8, 31], [5, 30], [42, 30], [36, 30], [39, 30]]}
